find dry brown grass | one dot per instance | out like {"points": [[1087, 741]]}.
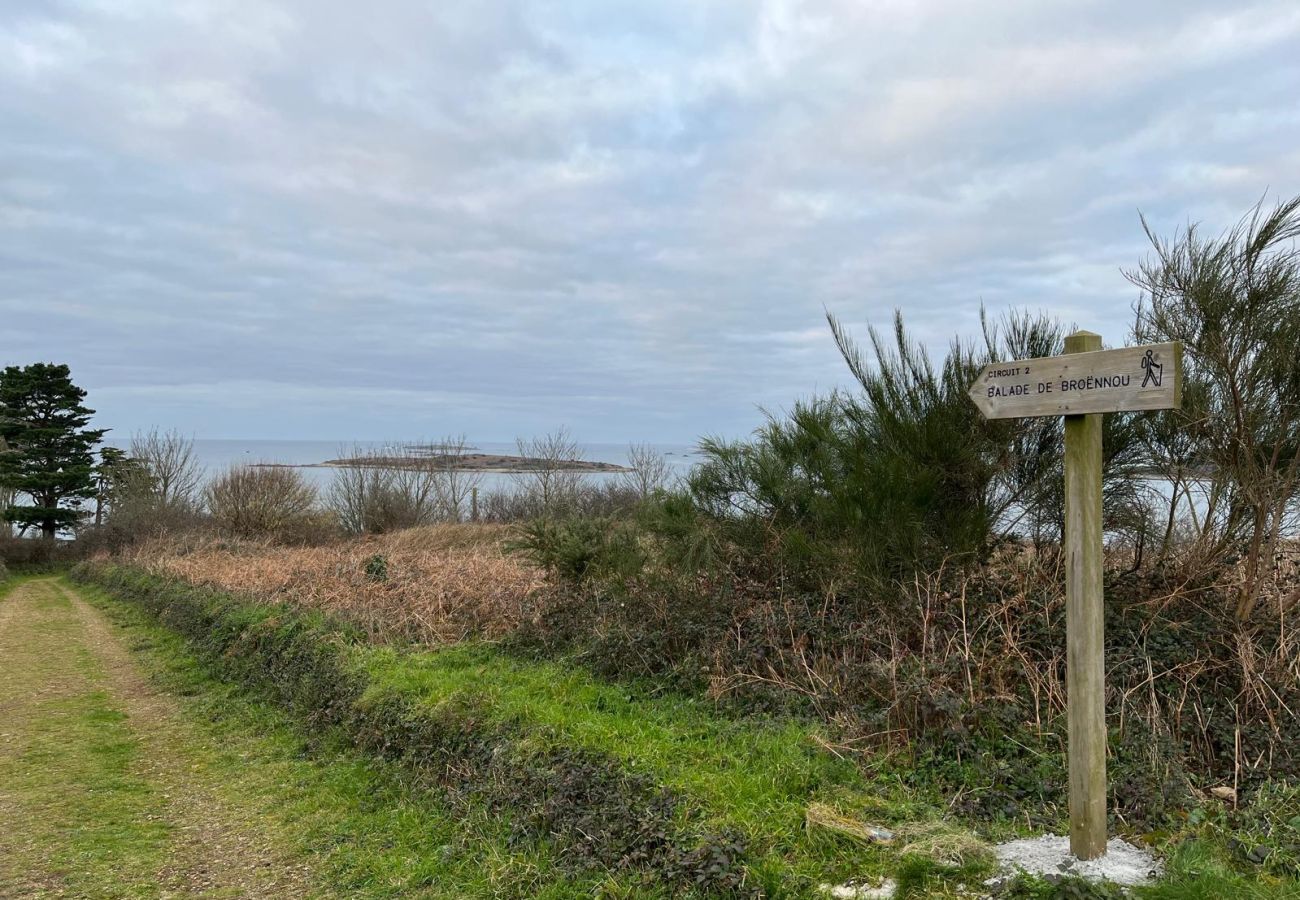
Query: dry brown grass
{"points": [[444, 582], [959, 642]]}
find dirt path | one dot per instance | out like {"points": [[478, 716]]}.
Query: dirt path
{"points": [[103, 789]]}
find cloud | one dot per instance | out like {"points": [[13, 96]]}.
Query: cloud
{"points": [[250, 218]]}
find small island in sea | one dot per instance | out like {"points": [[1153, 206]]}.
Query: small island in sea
{"points": [[465, 462]]}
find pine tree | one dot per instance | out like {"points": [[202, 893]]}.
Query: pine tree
{"points": [[49, 454]]}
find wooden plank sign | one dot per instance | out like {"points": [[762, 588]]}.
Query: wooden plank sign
{"points": [[1100, 381], [1080, 385]]}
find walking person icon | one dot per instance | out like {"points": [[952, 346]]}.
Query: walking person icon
{"points": [[1154, 371]]}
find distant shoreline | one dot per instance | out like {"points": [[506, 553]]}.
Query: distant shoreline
{"points": [[467, 462]]}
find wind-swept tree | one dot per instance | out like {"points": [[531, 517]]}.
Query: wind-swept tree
{"points": [[48, 455]]}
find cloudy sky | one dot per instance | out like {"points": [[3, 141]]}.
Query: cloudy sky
{"points": [[337, 220]]}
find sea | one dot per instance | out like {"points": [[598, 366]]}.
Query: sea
{"points": [[217, 455]]}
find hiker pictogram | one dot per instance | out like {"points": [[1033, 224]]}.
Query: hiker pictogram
{"points": [[1155, 371]]}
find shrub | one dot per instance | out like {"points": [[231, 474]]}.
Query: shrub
{"points": [[547, 477], [173, 471], [589, 498], [150, 490], [377, 567], [263, 502], [33, 553], [852, 491], [1234, 303], [648, 471], [370, 495], [582, 548]]}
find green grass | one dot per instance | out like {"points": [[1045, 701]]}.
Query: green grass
{"points": [[77, 809], [751, 776], [1198, 869], [1201, 868], [756, 776], [360, 823]]}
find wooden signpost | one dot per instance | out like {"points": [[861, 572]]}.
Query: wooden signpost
{"points": [[1081, 385]]}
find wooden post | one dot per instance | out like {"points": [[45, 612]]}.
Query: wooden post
{"points": [[1084, 635], [473, 504], [1082, 385]]}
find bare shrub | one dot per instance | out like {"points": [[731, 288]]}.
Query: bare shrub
{"points": [[548, 486], [456, 484], [591, 498], [649, 471], [154, 488], [174, 472], [546, 478], [374, 493], [256, 501], [358, 493], [370, 496], [36, 552]]}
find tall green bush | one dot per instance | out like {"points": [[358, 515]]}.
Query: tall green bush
{"points": [[900, 475]]}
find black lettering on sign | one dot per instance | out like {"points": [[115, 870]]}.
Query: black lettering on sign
{"points": [[1095, 382], [1009, 390]]}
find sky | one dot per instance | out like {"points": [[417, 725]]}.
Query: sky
{"points": [[330, 220]]}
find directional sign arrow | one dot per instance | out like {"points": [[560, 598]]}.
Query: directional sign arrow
{"points": [[1102, 381]]}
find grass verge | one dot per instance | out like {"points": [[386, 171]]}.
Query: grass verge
{"points": [[653, 792], [362, 826], [558, 784]]}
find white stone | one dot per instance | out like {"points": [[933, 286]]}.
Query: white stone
{"points": [[883, 891], [1122, 863]]}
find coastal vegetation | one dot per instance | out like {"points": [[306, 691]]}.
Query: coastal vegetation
{"points": [[638, 687]]}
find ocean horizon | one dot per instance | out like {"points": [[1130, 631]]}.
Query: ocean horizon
{"points": [[216, 455]]}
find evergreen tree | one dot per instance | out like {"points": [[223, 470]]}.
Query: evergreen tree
{"points": [[49, 454], [117, 477]]}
